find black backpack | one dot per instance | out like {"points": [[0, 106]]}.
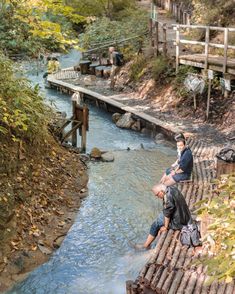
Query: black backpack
{"points": [[227, 154], [119, 59], [190, 235]]}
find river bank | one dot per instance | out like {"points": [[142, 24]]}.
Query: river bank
{"points": [[48, 190]]}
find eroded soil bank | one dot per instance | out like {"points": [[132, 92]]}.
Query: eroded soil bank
{"points": [[44, 191]]}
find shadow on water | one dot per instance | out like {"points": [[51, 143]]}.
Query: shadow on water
{"points": [[95, 257]]}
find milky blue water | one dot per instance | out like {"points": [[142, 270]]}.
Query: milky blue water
{"points": [[96, 257]]}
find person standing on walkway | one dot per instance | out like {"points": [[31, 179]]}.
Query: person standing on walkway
{"points": [[116, 59], [175, 213], [182, 169]]}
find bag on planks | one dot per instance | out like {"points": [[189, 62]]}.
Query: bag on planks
{"points": [[190, 235]]}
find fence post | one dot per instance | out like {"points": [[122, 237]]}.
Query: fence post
{"points": [[156, 37], [177, 48], [151, 32], [207, 40], [84, 128], [225, 49], [164, 39], [74, 134]]}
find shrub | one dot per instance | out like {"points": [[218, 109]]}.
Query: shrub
{"points": [[23, 114], [221, 210], [159, 67], [137, 68]]}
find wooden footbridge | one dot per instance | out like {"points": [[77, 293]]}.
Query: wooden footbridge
{"points": [[162, 35], [170, 269]]}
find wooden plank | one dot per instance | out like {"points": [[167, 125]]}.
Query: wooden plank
{"points": [[183, 284], [149, 274], [158, 247], [162, 279], [201, 65], [157, 276], [176, 282], [164, 248], [167, 284]]}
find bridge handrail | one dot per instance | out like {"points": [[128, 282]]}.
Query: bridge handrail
{"points": [[225, 46]]}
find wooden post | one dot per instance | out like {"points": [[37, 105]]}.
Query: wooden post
{"points": [[227, 80], [151, 31], [156, 38], [207, 40], [128, 286], [177, 48], [177, 12], [194, 101], [225, 49], [84, 128], [208, 99], [74, 134], [164, 40]]}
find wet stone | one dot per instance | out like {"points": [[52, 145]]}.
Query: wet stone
{"points": [[107, 157]]}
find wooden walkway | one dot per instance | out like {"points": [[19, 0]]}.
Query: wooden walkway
{"points": [[58, 81], [170, 269]]}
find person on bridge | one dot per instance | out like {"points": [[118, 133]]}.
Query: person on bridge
{"points": [[53, 66], [181, 170], [116, 59], [175, 213]]}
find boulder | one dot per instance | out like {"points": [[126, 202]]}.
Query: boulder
{"points": [[95, 153], [116, 116], [136, 126], [107, 157], [125, 121]]}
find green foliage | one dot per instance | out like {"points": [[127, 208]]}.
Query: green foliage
{"points": [[35, 25], [104, 30], [221, 210], [160, 67], [210, 12], [22, 111], [108, 8], [137, 68]]}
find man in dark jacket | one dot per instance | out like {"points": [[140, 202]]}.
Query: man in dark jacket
{"points": [[175, 213]]}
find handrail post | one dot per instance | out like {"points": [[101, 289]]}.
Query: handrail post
{"points": [[156, 37], [164, 40], [225, 50], [177, 48], [74, 134], [151, 31], [84, 128], [207, 40]]}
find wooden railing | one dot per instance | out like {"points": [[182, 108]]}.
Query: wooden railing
{"points": [[180, 11], [155, 29], [206, 44]]}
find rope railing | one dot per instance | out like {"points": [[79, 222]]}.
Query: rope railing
{"points": [[113, 42]]}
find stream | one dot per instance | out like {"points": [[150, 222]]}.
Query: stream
{"points": [[95, 257]]}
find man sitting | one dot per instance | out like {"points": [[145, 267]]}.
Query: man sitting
{"points": [[181, 170], [174, 216]]}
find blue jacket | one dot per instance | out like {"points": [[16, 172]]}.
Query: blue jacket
{"points": [[186, 161]]}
